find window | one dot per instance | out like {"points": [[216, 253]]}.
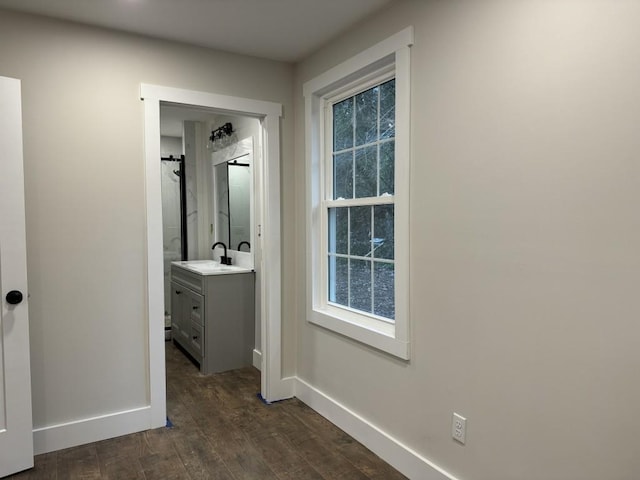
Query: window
{"points": [[360, 205], [357, 118]]}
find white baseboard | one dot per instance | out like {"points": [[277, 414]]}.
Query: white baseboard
{"points": [[257, 359], [402, 458], [284, 389], [80, 432]]}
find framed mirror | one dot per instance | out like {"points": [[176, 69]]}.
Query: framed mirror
{"points": [[233, 177]]}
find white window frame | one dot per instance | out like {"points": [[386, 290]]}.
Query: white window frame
{"points": [[355, 74]]}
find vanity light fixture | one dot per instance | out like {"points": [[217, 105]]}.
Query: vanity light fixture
{"points": [[221, 137]]}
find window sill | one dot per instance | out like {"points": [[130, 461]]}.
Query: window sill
{"points": [[377, 334]]}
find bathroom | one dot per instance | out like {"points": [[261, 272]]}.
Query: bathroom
{"points": [[207, 170]]}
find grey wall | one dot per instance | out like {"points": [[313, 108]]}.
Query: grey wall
{"points": [[524, 241], [84, 181]]}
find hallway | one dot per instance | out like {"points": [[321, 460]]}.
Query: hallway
{"points": [[220, 431]]}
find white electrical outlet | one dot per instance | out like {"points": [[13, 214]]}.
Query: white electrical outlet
{"points": [[459, 428]]}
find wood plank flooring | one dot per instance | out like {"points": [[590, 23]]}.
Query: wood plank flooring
{"points": [[221, 430]]}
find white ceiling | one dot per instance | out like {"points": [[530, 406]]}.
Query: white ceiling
{"points": [[285, 30]]}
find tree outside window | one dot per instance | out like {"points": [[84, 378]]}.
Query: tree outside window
{"points": [[360, 209]]}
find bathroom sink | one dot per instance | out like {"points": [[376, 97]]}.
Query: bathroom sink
{"points": [[210, 267]]}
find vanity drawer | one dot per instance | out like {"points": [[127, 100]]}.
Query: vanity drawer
{"points": [[196, 312], [195, 341], [191, 280], [187, 318]]}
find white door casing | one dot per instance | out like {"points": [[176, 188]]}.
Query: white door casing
{"points": [[268, 245], [16, 424]]}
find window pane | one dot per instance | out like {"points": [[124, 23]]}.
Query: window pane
{"points": [[388, 109], [339, 230], [360, 285], [343, 125], [366, 172], [367, 116], [387, 168], [360, 240], [384, 290], [383, 232], [339, 280], [343, 175]]}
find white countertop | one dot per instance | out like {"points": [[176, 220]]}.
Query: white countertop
{"points": [[210, 267]]}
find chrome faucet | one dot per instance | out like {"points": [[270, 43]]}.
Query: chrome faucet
{"points": [[223, 259]]}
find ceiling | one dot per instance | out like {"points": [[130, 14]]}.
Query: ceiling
{"points": [[285, 30]]}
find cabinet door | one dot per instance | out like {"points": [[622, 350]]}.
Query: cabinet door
{"points": [[16, 427], [179, 301], [196, 341], [196, 313], [196, 328], [187, 316]]}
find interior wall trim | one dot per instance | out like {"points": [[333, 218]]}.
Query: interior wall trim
{"points": [[257, 359], [95, 429], [401, 457], [89, 430], [268, 248]]}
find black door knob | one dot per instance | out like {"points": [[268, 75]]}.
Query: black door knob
{"points": [[14, 297]]}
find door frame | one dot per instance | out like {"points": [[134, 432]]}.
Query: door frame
{"points": [[273, 386]]}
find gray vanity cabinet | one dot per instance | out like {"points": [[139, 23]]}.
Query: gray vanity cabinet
{"points": [[213, 318], [187, 319]]}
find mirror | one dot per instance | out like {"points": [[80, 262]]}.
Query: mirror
{"points": [[233, 179]]}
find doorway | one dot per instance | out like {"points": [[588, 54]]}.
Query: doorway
{"points": [[207, 160], [267, 235]]}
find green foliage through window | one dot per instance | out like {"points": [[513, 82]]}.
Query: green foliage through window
{"points": [[361, 237]]}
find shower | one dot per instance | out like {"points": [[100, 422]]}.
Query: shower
{"points": [[174, 222]]}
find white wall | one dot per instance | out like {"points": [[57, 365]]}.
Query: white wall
{"points": [[243, 126], [170, 146], [84, 175], [524, 241]]}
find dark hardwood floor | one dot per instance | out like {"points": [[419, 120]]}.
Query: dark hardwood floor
{"points": [[221, 430]]}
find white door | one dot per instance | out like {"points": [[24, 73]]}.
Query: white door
{"points": [[16, 431]]}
